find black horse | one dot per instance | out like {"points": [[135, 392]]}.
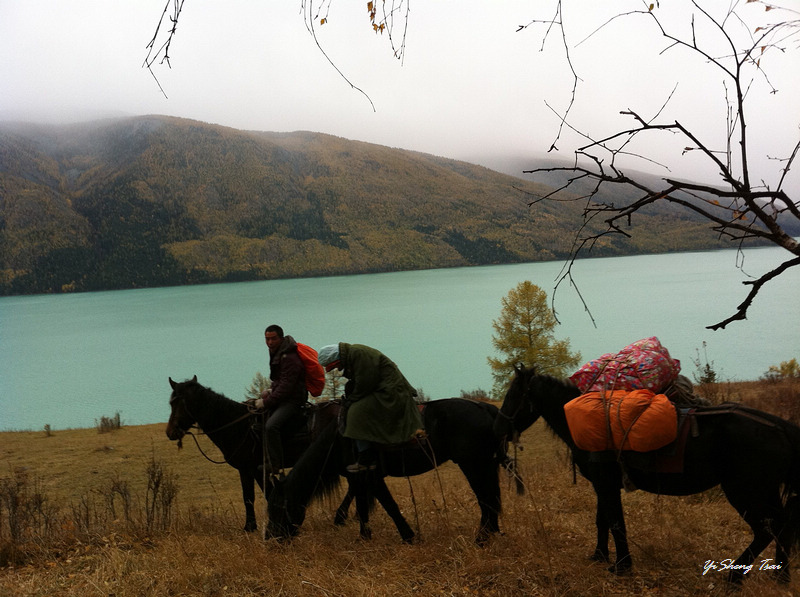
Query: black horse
{"points": [[752, 455], [230, 425], [456, 429]]}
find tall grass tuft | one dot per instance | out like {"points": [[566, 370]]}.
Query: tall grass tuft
{"points": [[162, 487], [26, 514]]}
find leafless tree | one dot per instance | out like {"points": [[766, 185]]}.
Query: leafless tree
{"points": [[737, 207]]}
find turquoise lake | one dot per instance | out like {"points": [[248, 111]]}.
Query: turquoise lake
{"points": [[67, 360]]}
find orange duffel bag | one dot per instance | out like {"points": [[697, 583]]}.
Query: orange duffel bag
{"points": [[639, 420]]}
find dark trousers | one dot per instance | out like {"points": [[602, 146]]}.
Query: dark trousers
{"points": [[281, 418]]}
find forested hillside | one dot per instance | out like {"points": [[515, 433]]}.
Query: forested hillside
{"points": [[156, 200]]}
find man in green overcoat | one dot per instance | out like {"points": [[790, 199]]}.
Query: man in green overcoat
{"points": [[380, 402]]}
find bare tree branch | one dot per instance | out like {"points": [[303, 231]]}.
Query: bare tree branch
{"points": [[314, 12], [155, 51], [735, 210], [310, 17], [741, 311]]}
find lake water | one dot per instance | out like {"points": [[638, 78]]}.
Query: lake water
{"points": [[67, 360]]}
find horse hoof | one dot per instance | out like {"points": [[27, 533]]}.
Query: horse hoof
{"points": [[409, 540], [250, 527], [484, 535], [621, 567], [620, 570], [599, 556], [735, 578]]}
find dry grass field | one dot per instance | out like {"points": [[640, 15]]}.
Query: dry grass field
{"points": [[126, 514]]}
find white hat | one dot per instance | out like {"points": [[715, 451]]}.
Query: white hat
{"points": [[328, 354]]}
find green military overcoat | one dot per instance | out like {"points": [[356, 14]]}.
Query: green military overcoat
{"points": [[381, 402]]}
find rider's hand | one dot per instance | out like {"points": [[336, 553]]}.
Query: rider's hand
{"points": [[259, 404]]}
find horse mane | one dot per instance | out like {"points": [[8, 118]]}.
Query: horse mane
{"points": [[557, 392], [565, 385], [219, 405]]}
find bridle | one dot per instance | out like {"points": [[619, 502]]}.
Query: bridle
{"points": [[523, 402], [188, 431]]}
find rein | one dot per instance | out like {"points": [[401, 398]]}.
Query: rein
{"points": [[206, 456], [217, 430], [229, 424]]}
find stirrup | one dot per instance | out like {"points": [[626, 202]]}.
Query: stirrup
{"points": [[357, 467]]}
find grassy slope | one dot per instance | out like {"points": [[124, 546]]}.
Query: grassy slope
{"points": [[548, 532]]}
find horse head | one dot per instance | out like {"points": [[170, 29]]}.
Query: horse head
{"points": [[180, 418], [285, 518], [518, 411]]}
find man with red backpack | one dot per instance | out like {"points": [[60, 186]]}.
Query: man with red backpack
{"points": [[284, 399]]}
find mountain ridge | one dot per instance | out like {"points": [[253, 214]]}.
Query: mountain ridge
{"points": [[157, 200]]}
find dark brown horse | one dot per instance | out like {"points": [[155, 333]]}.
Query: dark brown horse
{"points": [[457, 429], [752, 455], [232, 427]]}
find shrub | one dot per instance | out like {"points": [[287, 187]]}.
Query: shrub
{"points": [[25, 514], [706, 377], [162, 488], [478, 394], [786, 370], [108, 424]]}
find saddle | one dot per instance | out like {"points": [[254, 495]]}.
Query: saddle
{"points": [[670, 458], [305, 427], [297, 436]]}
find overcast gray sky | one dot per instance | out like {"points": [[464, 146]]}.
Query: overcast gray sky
{"points": [[470, 85]]}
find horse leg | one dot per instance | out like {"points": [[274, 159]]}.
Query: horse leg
{"points": [[484, 481], [764, 514], [601, 549], [788, 536], [341, 512], [386, 499], [743, 564], [610, 517], [249, 497], [783, 547], [359, 485]]}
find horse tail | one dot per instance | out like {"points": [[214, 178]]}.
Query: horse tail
{"points": [[316, 473], [792, 487], [511, 465], [501, 453]]}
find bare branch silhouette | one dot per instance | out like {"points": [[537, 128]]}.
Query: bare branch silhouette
{"points": [[314, 13], [737, 209]]}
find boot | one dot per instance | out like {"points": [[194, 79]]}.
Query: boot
{"points": [[365, 462]]}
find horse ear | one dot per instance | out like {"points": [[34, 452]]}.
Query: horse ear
{"points": [[172, 383], [194, 379], [519, 368]]}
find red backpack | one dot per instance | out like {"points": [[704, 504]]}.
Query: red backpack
{"points": [[315, 373]]}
